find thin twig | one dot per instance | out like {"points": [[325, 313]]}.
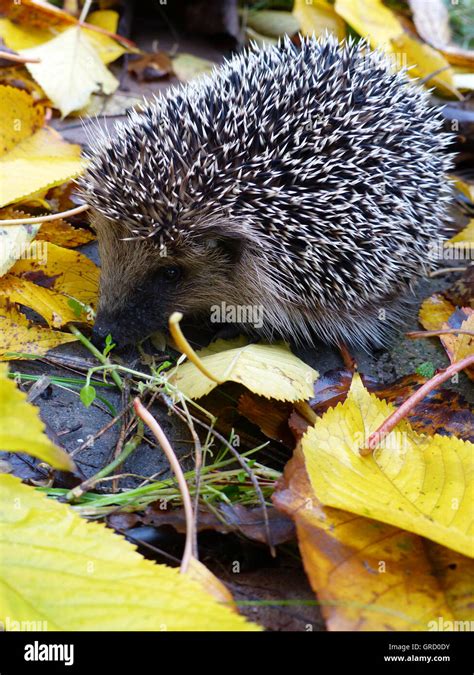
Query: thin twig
{"points": [[392, 420], [43, 219], [434, 333], [17, 58], [160, 436], [446, 270]]}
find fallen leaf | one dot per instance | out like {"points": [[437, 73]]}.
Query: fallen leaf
{"points": [[19, 117], [16, 242], [432, 23], [318, 17], [79, 575], [249, 521], [425, 62], [272, 23], [372, 20], [108, 49], [37, 26], [187, 66], [70, 70], [62, 233], [51, 305], [383, 29], [63, 270], [18, 335], [435, 312], [465, 187], [150, 67], [368, 575], [22, 430], [38, 162], [269, 370], [401, 483]]}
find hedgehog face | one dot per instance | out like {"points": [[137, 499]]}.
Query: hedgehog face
{"points": [[142, 284]]}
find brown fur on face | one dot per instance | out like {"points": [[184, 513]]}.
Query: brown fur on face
{"points": [[136, 298]]}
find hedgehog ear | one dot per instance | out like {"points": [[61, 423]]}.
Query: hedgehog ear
{"points": [[231, 237], [233, 247]]}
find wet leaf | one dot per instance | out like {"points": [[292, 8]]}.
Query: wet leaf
{"points": [[82, 576], [21, 429]]}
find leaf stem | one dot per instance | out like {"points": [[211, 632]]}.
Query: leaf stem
{"points": [[392, 420], [99, 356], [160, 436]]}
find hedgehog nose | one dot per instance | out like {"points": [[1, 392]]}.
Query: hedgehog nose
{"points": [[100, 330]]}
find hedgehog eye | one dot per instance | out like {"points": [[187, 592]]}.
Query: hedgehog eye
{"points": [[172, 273]]}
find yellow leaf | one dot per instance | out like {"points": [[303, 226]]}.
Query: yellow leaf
{"points": [[209, 582], [467, 189], [18, 37], [425, 61], [21, 429], [38, 162], [108, 49], [19, 117], [187, 66], [269, 370], [18, 335], [371, 19], [418, 483], [435, 312], [70, 70], [317, 17], [382, 28], [53, 306], [466, 235], [15, 243], [358, 567], [62, 233], [273, 23], [65, 271], [73, 575]]}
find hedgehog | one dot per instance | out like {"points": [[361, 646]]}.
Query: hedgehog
{"points": [[306, 181]]}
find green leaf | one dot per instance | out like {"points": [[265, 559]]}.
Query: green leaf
{"points": [[88, 395]]}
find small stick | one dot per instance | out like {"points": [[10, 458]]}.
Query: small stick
{"points": [[434, 333], [44, 219], [392, 420], [160, 436], [17, 58], [446, 270]]}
